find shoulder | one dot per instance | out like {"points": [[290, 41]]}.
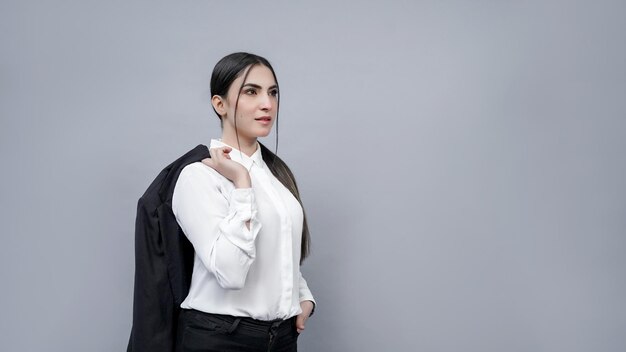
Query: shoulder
{"points": [[198, 173], [198, 182], [199, 170]]}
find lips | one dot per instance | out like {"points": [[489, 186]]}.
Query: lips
{"points": [[264, 120]]}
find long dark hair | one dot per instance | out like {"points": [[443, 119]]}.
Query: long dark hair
{"points": [[226, 71]]}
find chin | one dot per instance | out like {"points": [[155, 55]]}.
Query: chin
{"points": [[264, 133]]}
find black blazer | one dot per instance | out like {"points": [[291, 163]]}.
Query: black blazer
{"points": [[163, 262]]}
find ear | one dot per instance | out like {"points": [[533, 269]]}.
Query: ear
{"points": [[219, 104]]}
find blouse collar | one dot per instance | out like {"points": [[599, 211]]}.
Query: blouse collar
{"points": [[241, 158]]}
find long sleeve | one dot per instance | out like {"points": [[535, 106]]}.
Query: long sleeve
{"points": [[213, 217], [305, 293], [249, 271]]}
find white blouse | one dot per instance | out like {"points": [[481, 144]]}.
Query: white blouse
{"points": [[238, 271]]}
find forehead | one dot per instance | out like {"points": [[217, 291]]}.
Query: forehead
{"points": [[259, 75]]}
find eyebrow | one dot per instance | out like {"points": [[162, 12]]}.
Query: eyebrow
{"points": [[257, 86]]}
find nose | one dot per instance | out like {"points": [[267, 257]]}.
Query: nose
{"points": [[266, 102]]}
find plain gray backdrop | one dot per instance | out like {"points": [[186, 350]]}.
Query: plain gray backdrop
{"points": [[461, 163]]}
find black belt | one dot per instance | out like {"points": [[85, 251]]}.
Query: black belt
{"points": [[230, 323]]}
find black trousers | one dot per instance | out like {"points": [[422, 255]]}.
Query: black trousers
{"points": [[199, 331]]}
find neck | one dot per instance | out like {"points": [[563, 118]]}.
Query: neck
{"points": [[246, 145]]}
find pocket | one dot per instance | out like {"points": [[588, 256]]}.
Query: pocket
{"points": [[200, 331], [295, 329], [202, 321], [204, 328], [197, 338]]}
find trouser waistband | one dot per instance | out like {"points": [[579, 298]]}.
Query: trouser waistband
{"points": [[230, 323]]}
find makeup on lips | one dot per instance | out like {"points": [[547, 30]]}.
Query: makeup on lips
{"points": [[266, 120]]}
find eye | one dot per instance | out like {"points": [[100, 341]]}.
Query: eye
{"points": [[274, 92], [250, 91]]}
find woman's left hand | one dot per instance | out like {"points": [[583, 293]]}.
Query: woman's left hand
{"points": [[307, 308]]}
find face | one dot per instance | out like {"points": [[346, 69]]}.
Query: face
{"points": [[257, 106]]}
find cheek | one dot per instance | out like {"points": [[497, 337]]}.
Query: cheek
{"points": [[246, 110]]}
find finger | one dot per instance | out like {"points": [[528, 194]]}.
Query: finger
{"points": [[217, 155], [213, 152], [226, 152]]}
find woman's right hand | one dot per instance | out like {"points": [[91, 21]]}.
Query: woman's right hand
{"points": [[220, 161]]}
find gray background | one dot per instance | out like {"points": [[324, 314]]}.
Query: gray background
{"points": [[462, 163]]}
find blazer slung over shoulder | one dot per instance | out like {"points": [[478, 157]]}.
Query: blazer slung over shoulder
{"points": [[163, 260]]}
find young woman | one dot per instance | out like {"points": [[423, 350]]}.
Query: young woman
{"points": [[241, 211]]}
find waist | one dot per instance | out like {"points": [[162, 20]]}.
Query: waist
{"points": [[246, 323]]}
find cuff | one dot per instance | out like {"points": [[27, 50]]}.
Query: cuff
{"points": [[314, 305], [242, 208]]}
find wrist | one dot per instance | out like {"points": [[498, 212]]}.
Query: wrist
{"points": [[312, 305], [243, 181]]}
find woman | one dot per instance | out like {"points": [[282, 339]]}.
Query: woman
{"points": [[241, 211]]}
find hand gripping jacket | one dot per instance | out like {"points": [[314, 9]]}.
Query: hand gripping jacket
{"points": [[163, 262]]}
